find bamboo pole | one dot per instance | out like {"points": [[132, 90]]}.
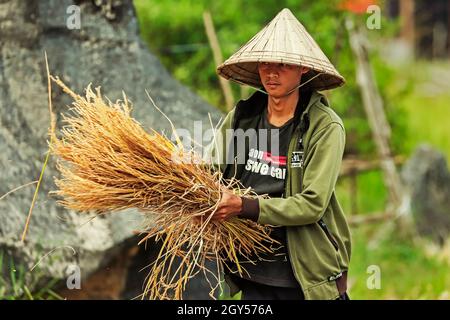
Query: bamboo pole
{"points": [[218, 59], [407, 22], [356, 166], [360, 219], [373, 105]]}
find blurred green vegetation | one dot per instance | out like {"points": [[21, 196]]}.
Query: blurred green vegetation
{"points": [[371, 194], [174, 31], [428, 105], [414, 94], [406, 271]]}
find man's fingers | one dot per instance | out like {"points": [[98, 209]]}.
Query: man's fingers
{"points": [[219, 215]]}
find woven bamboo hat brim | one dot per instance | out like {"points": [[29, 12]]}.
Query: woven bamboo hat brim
{"points": [[283, 40]]}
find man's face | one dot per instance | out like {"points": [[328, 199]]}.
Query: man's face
{"points": [[279, 78]]}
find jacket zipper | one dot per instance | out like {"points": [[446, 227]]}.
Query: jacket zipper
{"points": [[328, 234], [290, 149], [302, 155], [288, 163]]}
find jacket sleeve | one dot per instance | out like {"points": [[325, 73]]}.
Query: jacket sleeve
{"points": [[322, 167]]}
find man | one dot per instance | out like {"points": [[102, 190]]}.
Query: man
{"points": [[299, 171]]}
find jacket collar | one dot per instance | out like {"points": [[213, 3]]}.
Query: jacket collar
{"points": [[315, 97]]}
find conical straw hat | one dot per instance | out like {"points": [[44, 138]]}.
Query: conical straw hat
{"points": [[283, 40]]}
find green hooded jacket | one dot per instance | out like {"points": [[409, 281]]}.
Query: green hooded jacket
{"points": [[318, 236]]}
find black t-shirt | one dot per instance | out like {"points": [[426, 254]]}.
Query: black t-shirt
{"points": [[265, 172], [265, 167]]}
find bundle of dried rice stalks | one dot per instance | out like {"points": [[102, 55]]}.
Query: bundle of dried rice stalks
{"points": [[109, 163]]}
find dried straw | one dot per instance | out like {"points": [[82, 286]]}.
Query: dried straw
{"points": [[108, 162]]}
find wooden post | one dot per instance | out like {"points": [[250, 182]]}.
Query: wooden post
{"points": [[373, 106], [362, 219], [356, 166], [218, 59], [407, 22]]}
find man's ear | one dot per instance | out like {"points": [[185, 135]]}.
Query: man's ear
{"points": [[305, 70]]}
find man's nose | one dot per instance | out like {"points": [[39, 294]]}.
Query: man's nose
{"points": [[273, 72]]}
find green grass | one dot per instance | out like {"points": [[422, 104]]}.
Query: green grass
{"points": [[407, 272], [15, 282]]}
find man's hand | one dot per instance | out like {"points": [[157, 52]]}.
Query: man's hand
{"points": [[230, 205]]}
